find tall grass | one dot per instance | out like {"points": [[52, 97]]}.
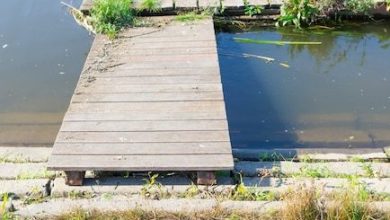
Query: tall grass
{"points": [[109, 16], [4, 214]]}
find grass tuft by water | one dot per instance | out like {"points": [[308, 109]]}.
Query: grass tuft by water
{"points": [[109, 16]]}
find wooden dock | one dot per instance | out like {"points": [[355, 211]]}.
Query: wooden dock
{"points": [[151, 100]]}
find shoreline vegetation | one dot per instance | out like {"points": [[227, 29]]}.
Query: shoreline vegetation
{"points": [[111, 16]]}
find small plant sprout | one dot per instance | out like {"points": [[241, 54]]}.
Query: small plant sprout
{"points": [[4, 213], [368, 170], [152, 188], [252, 10], [192, 191]]}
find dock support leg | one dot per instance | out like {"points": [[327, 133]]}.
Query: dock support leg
{"points": [[74, 178], [206, 178]]}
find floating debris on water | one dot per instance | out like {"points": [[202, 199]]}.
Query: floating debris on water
{"points": [[267, 59], [5, 46], [284, 65]]}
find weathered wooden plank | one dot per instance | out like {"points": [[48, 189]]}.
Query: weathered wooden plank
{"points": [[135, 116], [143, 107], [209, 4], [182, 30], [142, 148], [120, 126], [233, 4], [86, 6], [168, 51], [172, 44], [162, 88], [158, 38], [186, 4], [131, 80], [259, 2], [167, 65], [147, 97], [161, 58], [159, 72], [142, 162], [143, 137]]}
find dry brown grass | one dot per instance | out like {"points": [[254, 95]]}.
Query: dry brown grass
{"points": [[138, 214], [301, 203]]}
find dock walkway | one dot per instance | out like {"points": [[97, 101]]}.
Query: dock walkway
{"points": [[151, 100]]}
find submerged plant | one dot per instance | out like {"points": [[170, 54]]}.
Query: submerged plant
{"points": [[297, 12], [109, 16], [276, 42]]}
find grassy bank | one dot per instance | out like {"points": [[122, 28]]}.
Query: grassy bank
{"points": [[110, 16]]}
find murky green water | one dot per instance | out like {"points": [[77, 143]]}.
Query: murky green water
{"points": [[336, 94], [42, 51]]}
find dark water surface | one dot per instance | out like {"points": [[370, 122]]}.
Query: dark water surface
{"points": [[42, 51], [336, 94]]}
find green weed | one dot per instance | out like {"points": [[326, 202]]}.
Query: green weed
{"points": [[368, 170], [109, 16], [5, 215], [314, 172], [359, 6], [192, 191], [252, 10], [36, 175], [192, 16], [76, 194], [153, 189], [356, 159], [300, 13], [36, 195], [152, 6]]}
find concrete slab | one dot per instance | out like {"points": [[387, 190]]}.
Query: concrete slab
{"points": [[24, 154], [327, 168], [116, 203], [321, 154], [23, 171], [23, 187], [327, 184]]}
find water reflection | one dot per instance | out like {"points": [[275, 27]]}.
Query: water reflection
{"points": [[336, 94], [42, 51]]}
